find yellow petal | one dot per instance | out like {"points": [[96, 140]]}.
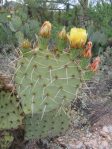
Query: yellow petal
{"points": [[77, 37]]}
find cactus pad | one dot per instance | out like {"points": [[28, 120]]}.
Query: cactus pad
{"points": [[15, 23], [50, 124], [11, 114], [5, 140], [44, 79]]}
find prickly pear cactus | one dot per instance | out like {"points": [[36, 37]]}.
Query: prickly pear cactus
{"points": [[46, 80], [15, 23], [11, 114], [5, 140], [48, 124]]}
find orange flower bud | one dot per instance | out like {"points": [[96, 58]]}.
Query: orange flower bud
{"points": [[89, 45], [62, 35], [95, 64], [45, 30], [87, 51]]}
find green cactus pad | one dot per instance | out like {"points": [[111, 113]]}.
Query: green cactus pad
{"points": [[15, 23], [86, 73], [5, 140], [11, 114], [45, 79], [20, 36], [46, 124]]}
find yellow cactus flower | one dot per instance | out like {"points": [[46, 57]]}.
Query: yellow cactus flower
{"points": [[62, 34], [26, 44], [45, 30], [77, 37]]}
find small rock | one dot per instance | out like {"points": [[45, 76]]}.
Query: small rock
{"points": [[105, 134], [104, 145], [72, 145], [91, 143], [109, 128], [80, 145], [105, 129], [89, 135]]}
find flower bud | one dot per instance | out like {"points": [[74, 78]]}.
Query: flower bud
{"points": [[26, 44], [95, 64], [87, 51], [62, 35], [45, 30]]}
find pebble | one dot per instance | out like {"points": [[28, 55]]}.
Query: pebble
{"points": [[91, 143], [109, 128], [104, 145], [80, 145], [105, 129]]}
